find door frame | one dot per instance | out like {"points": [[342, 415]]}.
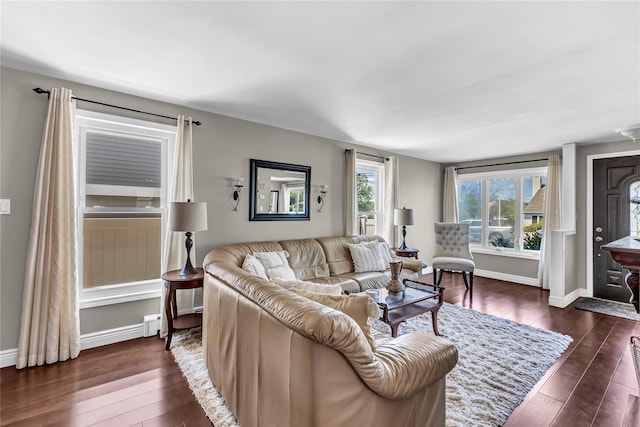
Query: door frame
{"points": [[589, 208]]}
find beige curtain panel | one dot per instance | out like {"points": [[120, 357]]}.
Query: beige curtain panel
{"points": [[389, 231], [351, 194], [552, 217], [450, 195], [181, 190], [50, 324]]}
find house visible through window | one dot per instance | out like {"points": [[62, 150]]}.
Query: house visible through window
{"points": [[370, 188], [123, 167], [504, 210]]}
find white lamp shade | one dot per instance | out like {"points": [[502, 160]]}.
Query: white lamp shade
{"points": [[188, 216], [403, 217]]}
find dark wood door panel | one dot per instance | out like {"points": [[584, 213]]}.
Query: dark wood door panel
{"points": [[611, 218]]}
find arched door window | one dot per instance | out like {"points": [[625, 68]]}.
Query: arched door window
{"points": [[634, 208]]}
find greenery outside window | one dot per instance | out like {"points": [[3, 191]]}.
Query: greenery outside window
{"points": [[370, 187], [504, 210], [122, 206]]}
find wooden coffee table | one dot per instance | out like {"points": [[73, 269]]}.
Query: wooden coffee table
{"points": [[417, 298]]}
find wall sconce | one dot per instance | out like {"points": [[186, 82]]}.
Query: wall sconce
{"points": [[236, 193], [321, 196]]}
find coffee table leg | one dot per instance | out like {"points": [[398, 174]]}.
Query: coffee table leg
{"points": [[434, 320], [394, 330]]}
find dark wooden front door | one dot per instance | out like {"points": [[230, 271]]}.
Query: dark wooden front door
{"points": [[612, 179]]}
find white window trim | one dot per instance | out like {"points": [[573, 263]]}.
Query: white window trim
{"points": [[483, 247], [134, 291], [378, 168]]}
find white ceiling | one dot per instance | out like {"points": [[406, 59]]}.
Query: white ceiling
{"points": [[444, 81]]}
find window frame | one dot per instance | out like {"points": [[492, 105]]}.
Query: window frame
{"points": [[518, 174], [89, 121], [378, 169]]}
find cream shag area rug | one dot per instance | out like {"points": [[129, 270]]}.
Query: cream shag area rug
{"points": [[499, 362]]}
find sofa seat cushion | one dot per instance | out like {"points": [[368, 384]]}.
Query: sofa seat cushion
{"points": [[346, 283], [309, 286], [369, 280]]}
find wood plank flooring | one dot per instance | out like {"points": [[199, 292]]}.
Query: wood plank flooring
{"points": [[137, 383]]}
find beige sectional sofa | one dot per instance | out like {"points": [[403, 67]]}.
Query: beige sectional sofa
{"points": [[280, 359]]}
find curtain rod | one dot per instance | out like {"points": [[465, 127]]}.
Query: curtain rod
{"points": [[501, 164], [367, 154], [42, 91]]}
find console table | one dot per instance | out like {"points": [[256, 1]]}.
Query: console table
{"points": [[626, 252], [174, 281]]}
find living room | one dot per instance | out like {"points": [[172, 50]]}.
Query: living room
{"points": [[224, 144]]}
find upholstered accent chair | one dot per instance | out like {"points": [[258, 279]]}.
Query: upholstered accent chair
{"points": [[452, 252]]}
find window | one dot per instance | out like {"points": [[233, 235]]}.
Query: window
{"points": [[504, 210], [370, 187], [123, 185]]}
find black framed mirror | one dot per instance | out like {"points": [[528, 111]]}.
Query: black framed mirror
{"points": [[279, 191]]}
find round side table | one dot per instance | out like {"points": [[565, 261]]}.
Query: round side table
{"points": [[173, 281], [408, 252]]}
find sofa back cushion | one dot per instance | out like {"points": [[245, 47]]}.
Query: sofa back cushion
{"points": [[306, 258], [236, 253], [337, 251]]}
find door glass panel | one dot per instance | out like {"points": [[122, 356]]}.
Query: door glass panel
{"points": [[634, 208]]}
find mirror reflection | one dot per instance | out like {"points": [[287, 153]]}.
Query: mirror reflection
{"points": [[279, 191]]}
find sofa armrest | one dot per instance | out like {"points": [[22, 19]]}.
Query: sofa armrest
{"points": [[412, 362], [410, 263]]}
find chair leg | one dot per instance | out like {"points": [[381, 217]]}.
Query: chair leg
{"points": [[438, 276], [466, 280]]}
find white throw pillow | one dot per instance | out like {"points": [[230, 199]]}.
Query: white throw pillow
{"points": [[385, 253], [254, 267], [276, 265], [309, 286], [366, 257]]}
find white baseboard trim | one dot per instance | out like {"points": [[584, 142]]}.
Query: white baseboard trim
{"points": [[91, 340], [567, 299], [111, 336], [523, 280], [8, 357]]}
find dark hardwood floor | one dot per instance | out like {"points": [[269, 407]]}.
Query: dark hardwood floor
{"points": [[137, 383]]}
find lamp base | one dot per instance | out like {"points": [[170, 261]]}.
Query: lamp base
{"points": [[188, 268], [403, 246]]}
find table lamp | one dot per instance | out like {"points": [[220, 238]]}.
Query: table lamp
{"points": [[188, 217], [403, 217]]}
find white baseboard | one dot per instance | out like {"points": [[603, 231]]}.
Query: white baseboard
{"points": [[523, 280], [8, 357], [91, 340], [568, 299], [427, 270]]}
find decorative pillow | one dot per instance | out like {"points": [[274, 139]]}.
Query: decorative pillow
{"points": [[276, 265], [385, 253], [357, 306], [309, 286], [255, 267], [366, 257]]}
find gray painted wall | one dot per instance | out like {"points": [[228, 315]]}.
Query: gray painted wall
{"points": [[222, 147]]}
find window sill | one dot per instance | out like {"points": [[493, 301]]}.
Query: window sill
{"points": [[116, 294], [506, 253]]}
